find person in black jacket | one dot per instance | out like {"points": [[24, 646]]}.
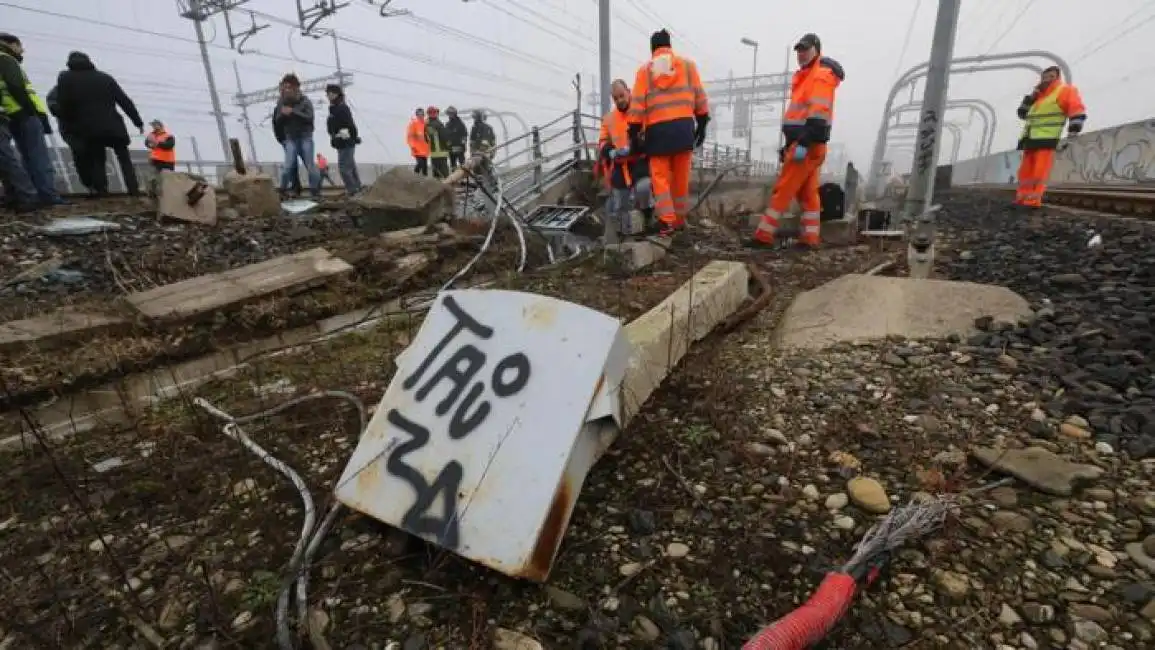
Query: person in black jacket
{"points": [[343, 137], [293, 126], [481, 136], [458, 135], [88, 99], [75, 144]]}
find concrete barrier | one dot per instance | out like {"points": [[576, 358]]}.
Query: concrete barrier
{"points": [[1123, 155]]}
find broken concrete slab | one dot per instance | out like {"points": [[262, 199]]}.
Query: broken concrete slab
{"points": [[252, 194], [859, 307], [400, 199], [633, 255], [64, 325], [1038, 467], [175, 190], [298, 207]]}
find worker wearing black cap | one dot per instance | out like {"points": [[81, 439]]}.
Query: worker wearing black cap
{"points": [[806, 126], [667, 121]]}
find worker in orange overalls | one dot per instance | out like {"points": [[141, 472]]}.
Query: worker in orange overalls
{"points": [[627, 174], [806, 126], [323, 169], [1050, 105], [667, 121], [418, 145]]}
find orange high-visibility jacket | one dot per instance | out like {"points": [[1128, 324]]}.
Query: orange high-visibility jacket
{"points": [[615, 135], [667, 96], [811, 110], [1043, 129], [415, 137], [163, 149]]}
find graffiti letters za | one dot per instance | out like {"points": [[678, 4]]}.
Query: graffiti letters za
{"points": [[463, 399], [927, 136]]}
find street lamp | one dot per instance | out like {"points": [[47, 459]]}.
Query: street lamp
{"points": [[750, 104]]}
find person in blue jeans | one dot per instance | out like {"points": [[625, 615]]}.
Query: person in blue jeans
{"points": [[293, 127], [19, 194], [27, 120]]}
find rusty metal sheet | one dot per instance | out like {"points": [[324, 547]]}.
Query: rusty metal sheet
{"points": [[477, 443]]}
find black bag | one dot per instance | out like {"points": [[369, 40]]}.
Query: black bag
{"points": [[833, 201]]}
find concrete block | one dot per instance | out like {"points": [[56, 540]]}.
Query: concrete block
{"points": [[252, 194], [173, 192], [838, 232], [400, 199], [633, 255], [663, 335]]}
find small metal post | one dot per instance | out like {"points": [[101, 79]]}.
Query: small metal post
{"points": [[536, 139], [238, 157]]}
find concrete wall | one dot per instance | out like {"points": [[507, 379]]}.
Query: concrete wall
{"points": [[1123, 155]]}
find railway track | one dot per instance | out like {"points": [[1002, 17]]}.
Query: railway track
{"points": [[1130, 200]]}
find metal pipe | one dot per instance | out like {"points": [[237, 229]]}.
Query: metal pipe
{"points": [[982, 107]]}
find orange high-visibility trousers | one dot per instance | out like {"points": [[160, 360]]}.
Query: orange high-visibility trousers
{"points": [[670, 180], [797, 180], [1034, 171]]}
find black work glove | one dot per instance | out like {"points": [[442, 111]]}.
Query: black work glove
{"points": [[637, 140], [357, 140], [700, 123], [604, 154], [47, 123], [1025, 106], [782, 155]]}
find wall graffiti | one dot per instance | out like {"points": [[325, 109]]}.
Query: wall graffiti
{"points": [[465, 404], [1122, 155]]}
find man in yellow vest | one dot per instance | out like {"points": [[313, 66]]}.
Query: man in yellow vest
{"points": [[27, 119], [1049, 106]]}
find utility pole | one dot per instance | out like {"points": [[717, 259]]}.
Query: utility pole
{"points": [[199, 11], [753, 93], [920, 249], [933, 106], [604, 54], [245, 116]]}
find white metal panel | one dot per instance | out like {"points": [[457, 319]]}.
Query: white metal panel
{"points": [[497, 492]]}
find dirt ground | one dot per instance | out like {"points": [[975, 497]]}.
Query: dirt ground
{"points": [[185, 536]]}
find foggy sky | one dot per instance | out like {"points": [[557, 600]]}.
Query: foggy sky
{"points": [[535, 47]]}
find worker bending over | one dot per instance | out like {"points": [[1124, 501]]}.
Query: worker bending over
{"points": [[806, 126], [667, 121], [627, 173], [1050, 105]]}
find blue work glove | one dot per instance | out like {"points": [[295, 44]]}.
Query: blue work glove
{"points": [[622, 153], [799, 153]]}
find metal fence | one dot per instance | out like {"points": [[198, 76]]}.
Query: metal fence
{"points": [[533, 159]]}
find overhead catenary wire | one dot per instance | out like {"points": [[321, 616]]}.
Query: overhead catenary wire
{"points": [[906, 38], [1111, 33], [367, 73], [1010, 27]]}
